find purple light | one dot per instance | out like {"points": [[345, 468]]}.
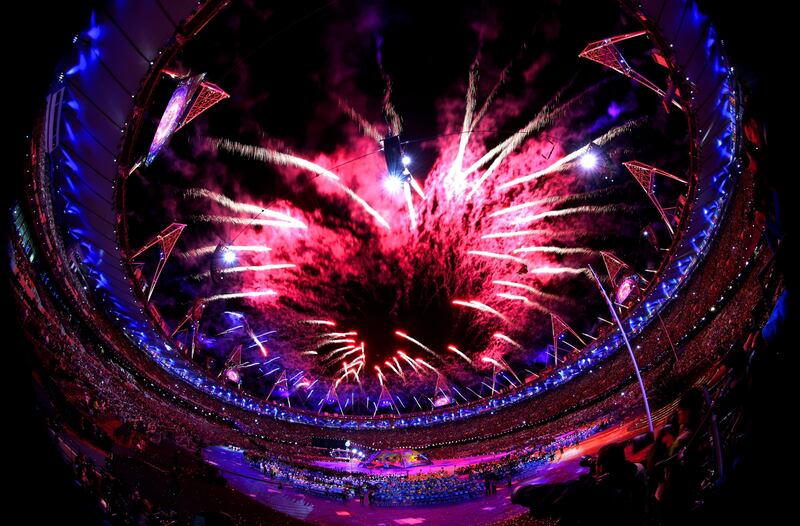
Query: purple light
{"points": [[393, 184], [229, 256], [588, 161]]}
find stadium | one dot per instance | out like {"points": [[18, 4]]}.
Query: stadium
{"points": [[400, 263]]}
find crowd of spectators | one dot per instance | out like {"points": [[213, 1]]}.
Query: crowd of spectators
{"points": [[427, 487]]}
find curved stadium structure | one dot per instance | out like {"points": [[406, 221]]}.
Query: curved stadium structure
{"points": [[260, 246]]}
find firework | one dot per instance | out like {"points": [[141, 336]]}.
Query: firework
{"points": [[558, 164], [409, 360], [246, 268], [586, 209], [477, 305], [395, 368], [492, 361], [366, 128], [244, 208], [532, 290], [417, 343], [329, 335], [527, 301], [495, 255], [234, 295], [503, 337], [555, 250], [278, 223], [210, 249], [412, 215], [285, 159], [426, 364], [461, 354]]}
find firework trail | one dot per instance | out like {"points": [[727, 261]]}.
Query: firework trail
{"points": [[247, 221], [340, 349], [255, 339], [409, 360], [396, 370], [285, 159], [557, 200], [247, 268], [230, 330], [244, 208], [502, 337], [364, 125], [556, 235], [477, 305], [515, 233], [339, 340], [233, 295], [559, 270], [505, 148], [426, 364], [335, 359], [562, 162], [527, 301], [495, 255], [210, 249], [532, 290], [412, 215], [259, 336], [490, 98], [555, 250], [399, 367], [586, 209], [380, 374], [393, 119], [320, 322], [461, 354], [337, 334], [466, 127], [417, 343], [492, 361], [271, 156]]}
